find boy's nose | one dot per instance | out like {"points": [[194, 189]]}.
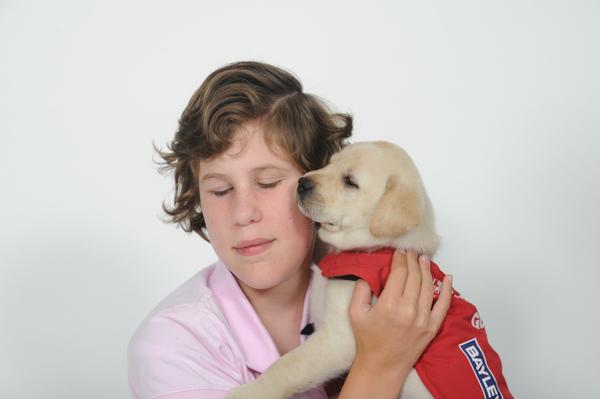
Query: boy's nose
{"points": [[305, 185], [246, 210]]}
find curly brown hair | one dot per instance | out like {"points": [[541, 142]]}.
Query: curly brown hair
{"points": [[297, 122]]}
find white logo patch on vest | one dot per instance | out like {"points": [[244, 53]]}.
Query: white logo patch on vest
{"points": [[476, 358], [476, 321]]}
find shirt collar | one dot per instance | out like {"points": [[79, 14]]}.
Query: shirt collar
{"points": [[257, 346]]}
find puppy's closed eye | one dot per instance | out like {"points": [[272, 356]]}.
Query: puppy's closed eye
{"points": [[350, 182]]}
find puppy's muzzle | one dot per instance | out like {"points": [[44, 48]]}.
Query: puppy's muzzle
{"points": [[305, 186]]}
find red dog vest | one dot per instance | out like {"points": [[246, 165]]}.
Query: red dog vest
{"points": [[459, 362]]}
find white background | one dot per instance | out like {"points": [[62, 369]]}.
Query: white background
{"points": [[497, 101]]}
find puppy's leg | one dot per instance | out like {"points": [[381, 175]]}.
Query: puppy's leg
{"points": [[328, 353]]}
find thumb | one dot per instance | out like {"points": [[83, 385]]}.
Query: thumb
{"points": [[361, 297]]}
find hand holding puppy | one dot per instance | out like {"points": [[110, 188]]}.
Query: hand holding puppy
{"points": [[392, 334]]}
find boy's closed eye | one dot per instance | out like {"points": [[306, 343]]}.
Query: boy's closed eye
{"points": [[265, 184], [269, 183]]}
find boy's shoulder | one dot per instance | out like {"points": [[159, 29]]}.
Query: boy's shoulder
{"points": [[190, 307], [185, 344]]}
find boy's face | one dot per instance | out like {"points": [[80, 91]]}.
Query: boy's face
{"points": [[253, 221]]}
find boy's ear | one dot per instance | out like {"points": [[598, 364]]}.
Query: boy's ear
{"points": [[399, 210]]}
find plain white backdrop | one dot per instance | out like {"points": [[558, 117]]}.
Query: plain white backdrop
{"points": [[497, 101]]}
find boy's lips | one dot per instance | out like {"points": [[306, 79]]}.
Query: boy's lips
{"points": [[253, 247]]}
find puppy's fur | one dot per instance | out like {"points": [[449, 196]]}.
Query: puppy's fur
{"points": [[369, 196]]}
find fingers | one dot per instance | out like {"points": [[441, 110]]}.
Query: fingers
{"points": [[394, 286], [361, 298], [413, 280], [426, 294], [443, 303]]}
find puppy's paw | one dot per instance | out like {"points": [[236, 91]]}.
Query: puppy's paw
{"points": [[251, 390], [237, 393]]}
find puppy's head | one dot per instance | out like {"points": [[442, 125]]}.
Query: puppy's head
{"points": [[369, 195]]}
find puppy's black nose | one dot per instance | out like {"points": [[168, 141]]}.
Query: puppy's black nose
{"points": [[304, 185]]}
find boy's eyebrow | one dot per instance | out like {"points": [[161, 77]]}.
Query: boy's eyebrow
{"points": [[212, 176], [255, 170], [268, 166]]}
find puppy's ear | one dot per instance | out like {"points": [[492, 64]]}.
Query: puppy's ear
{"points": [[399, 209]]}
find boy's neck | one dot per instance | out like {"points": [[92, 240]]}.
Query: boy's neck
{"points": [[281, 298], [280, 308]]}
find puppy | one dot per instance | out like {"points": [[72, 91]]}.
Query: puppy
{"points": [[368, 200]]}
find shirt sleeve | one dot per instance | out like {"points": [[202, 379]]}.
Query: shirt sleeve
{"points": [[183, 354]]}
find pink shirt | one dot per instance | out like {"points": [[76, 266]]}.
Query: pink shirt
{"points": [[201, 341]]}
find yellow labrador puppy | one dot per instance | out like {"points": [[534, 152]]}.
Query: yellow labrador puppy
{"points": [[369, 196]]}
